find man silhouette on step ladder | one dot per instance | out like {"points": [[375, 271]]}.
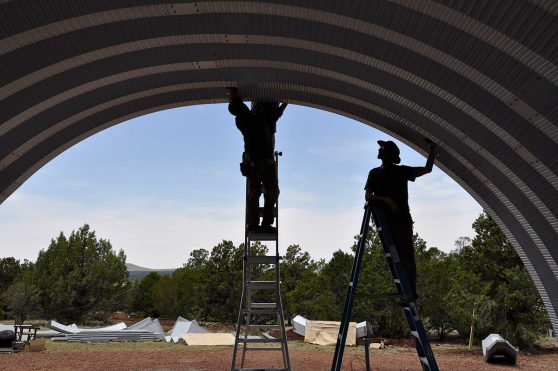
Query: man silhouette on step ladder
{"points": [[258, 126], [387, 185]]}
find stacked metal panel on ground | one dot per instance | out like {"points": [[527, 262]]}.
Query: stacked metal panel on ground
{"points": [[146, 330], [121, 335]]}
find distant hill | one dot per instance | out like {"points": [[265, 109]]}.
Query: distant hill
{"points": [[136, 273]]}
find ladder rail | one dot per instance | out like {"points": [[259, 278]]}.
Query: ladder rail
{"points": [[343, 328], [281, 319], [245, 267], [403, 286]]}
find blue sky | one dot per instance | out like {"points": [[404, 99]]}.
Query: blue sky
{"points": [[163, 184]]}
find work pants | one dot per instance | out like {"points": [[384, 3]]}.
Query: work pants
{"points": [[402, 232], [262, 178]]}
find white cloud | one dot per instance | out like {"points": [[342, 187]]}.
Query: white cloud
{"points": [[162, 233], [27, 224], [343, 150], [162, 237], [319, 233], [442, 210]]}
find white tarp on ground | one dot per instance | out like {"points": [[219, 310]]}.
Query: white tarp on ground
{"points": [[208, 339], [299, 325], [184, 326], [326, 332]]}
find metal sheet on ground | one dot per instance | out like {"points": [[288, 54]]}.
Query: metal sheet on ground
{"points": [[183, 326]]}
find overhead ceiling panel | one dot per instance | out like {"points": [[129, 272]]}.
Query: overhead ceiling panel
{"points": [[478, 77]]}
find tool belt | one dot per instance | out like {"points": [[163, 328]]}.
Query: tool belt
{"points": [[247, 169], [247, 166]]}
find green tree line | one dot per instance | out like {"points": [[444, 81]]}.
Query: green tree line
{"points": [[82, 278]]}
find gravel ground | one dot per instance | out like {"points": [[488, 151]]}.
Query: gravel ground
{"points": [[162, 356]]}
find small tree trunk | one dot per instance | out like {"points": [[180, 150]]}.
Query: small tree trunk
{"points": [[471, 334]]}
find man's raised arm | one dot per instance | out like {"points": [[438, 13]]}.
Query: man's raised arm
{"points": [[236, 105], [420, 171]]}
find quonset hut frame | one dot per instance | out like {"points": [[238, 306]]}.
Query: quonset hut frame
{"points": [[479, 77]]}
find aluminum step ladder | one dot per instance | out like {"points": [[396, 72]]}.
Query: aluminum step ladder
{"points": [[252, 314], [424, 351]]}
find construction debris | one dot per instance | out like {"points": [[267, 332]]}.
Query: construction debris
{"points": [[208, 339], [326, 333], [184, 326], [122, 335], [364, 329], [36, 345], [150, 325], [496, 347], [299, 325], [145, 330], [73, 329]]}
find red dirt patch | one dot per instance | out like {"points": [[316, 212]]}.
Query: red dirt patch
{"points": [[181, 357]]}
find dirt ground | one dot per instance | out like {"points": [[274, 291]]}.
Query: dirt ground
{"points": [[163, 356]]}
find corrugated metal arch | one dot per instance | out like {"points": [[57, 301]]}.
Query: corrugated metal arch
{"points": [[479, 77]]}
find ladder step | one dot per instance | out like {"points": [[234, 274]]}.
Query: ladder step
{"points": [[263, 305], [264, 326], [263, 348], [256, 236], [264, 285], [259, 311], [261, 340], [272, 259]]}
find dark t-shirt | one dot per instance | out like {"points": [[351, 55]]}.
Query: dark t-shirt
{"points": [[258, 133], [392, 182]]}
